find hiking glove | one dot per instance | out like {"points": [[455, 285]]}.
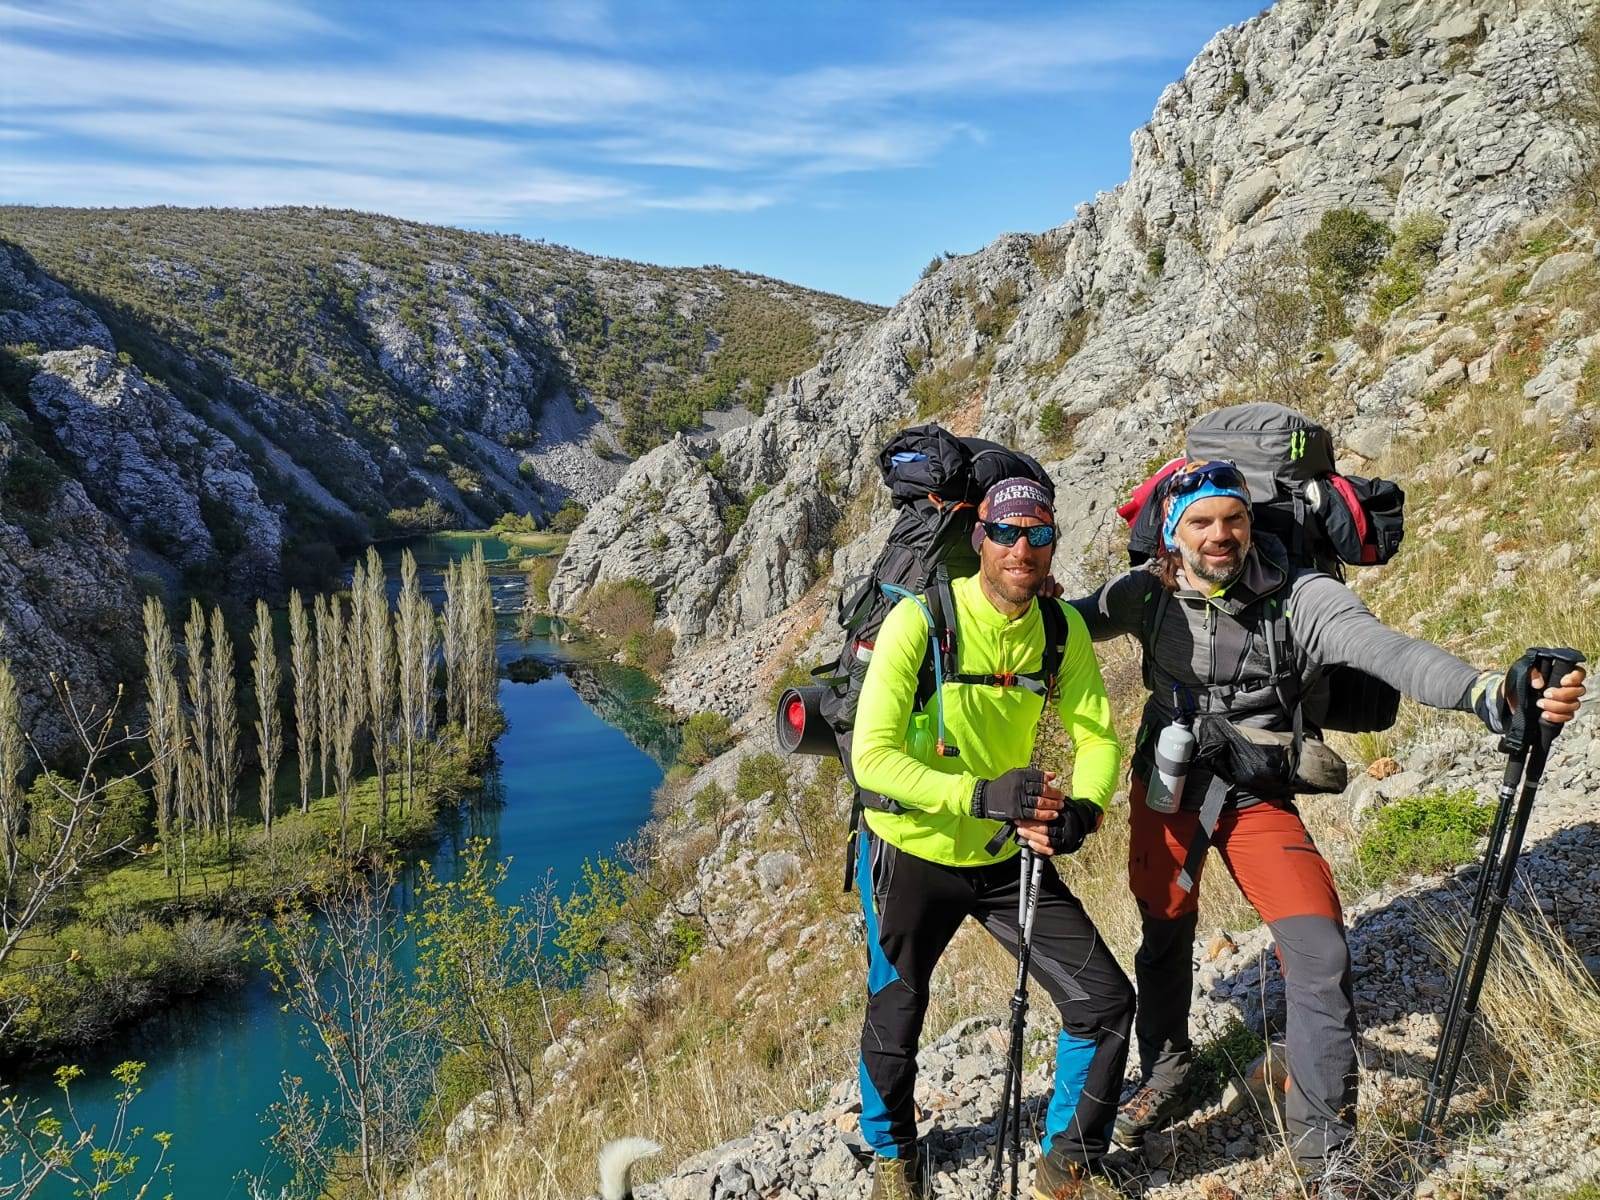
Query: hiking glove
{"points": [[1079, 818], [1014, 796]]}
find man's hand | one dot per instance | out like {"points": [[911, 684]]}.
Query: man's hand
{"points": [[1064, 835], [1559, 704], [1021, 794]]}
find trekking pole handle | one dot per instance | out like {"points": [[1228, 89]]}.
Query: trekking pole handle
{"points": [[1552, 663]]}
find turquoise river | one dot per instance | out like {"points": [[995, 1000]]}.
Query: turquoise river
{"points": [[568, 783]]}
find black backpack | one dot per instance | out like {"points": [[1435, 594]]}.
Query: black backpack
{"points": [[1324, 520], [936, 481]]}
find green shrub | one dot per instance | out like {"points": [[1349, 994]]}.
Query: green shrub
{"points": [[710, 805], [1346, 247], [1225, 1057], [793, 675], [539, 569], [568, 517], [31, 482], [944, 388], [618, 608], [515, 522], [933, 266], [1399, 283], [1420, 238], [1156, 260], [426, 517], [1423, 834], [1415, 251], [994, 316], [649, 650], [705, 736], [760, 774], [1057, 425]]}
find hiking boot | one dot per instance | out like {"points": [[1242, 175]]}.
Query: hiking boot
{"points": [[1148, 1109], [897, 1179], [1056, 1180]]}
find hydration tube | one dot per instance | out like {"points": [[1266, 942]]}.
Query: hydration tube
{"points": [[894, 589]]}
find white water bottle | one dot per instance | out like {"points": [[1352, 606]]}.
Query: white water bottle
{"points": [[1174, 751]]}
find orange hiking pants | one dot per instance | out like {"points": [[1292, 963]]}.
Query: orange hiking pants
{"points": [[1277, 866]]}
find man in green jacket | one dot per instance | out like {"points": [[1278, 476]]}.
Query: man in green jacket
{"points": [[924, 868]]}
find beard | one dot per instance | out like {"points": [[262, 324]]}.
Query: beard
{"points": [[1014, 589], [1196, 566]]}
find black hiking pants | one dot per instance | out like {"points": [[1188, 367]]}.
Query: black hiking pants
{"points": [[913, 908]]}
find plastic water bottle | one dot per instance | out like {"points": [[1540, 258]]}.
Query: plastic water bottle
{"points": [[1174, 752]]}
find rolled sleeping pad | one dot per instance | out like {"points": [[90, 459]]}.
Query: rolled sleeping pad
{"points": [[801, 726]]}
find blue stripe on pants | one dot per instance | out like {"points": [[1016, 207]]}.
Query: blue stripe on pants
{"points": [[880, 971], [1073, 1056], [880, 974]]}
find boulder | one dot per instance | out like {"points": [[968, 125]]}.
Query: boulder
{"points": [[1556, 268]]}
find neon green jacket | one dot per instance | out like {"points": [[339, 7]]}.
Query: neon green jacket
{"points": [[893, 750]]}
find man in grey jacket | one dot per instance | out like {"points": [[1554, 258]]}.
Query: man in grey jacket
{"points": [[1238, 638]]}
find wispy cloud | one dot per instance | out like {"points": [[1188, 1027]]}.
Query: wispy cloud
{"points": [[510, 111], [203, 22]]}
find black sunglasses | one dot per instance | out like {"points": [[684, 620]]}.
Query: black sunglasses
{"points": [[1222, 474], [1002, 534]]}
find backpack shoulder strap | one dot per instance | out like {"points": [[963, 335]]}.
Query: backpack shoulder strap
{"points": [[1055, 645], [1156, 600], [1285, 674]]}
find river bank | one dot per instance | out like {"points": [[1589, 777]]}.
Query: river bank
{"points": [[565, 783], [142, 933]]}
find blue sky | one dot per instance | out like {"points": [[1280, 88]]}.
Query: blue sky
{"points": [[839, 145]]}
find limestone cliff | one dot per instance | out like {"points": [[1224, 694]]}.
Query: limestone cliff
{"points": [[1091, 343]]}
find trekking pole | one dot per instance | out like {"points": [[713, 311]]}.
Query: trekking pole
{"points": [[1010, 1118], [1526, 743]]}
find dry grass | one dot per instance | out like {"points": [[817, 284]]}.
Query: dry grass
{"points": [[734, 1041], [1541, 1010]]}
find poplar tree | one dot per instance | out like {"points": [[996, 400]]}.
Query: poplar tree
{"points": [[269, 725], [324, 616], [12, 749], [380, 674], [347, 709], [224, 723], [454, 659], [416, 636], [355, 652], [197, 794], [303, 670], [478, 645], [166, 721]]}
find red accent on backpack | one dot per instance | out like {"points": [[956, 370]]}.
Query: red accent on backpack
{"points": [[1129, 511], [1345, 492]]}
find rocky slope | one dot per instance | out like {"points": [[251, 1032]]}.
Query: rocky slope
{"points": [[225, 402], [1091, 343], [1476, 385]]}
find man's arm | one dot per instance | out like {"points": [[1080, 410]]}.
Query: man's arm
{"points": [[1085, 714], [1335, 628], [878, 758], [1116, 607]]}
